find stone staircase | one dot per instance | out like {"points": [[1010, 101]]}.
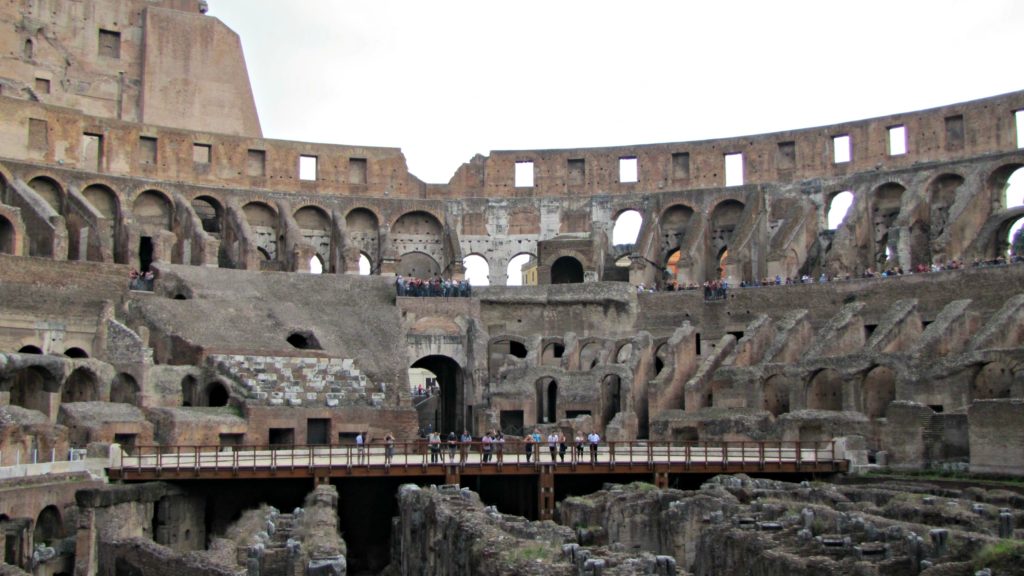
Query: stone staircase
{"points": [[298, 381]]}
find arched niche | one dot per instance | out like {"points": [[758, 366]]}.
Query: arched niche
{"points": [[567, 270], [775, 394], [825, 391], [879, 391], [153, 209], [994, 380], [124, 389], [418, 265], [82, 385]]}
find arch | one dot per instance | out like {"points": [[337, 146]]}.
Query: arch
{"points": [[448, 414], [260, 214], [611, 395], [82, 385], [316, 264], [551, 353], [361, 221], [498, 352], [775, 394], [210, 213], [825, 391], [886, 202], [189, 386], [30, 349], [28, 49], [313, 218], [419, 223], [590, 355], [76, 352], [124, 389], [104, 200], [627, 228], [994, 380], [837, 207], [672, 264], [31, 388], [418, 265], [49, 527], [1003, 184], [1012, 234], [49, 190], [723, 222], [365, 269], [216, 394], [941, 195], [153, 209], [6, 236], [304, 340], [264, 253], [567, 270], [515, 266], [547, 400], [879, 391], [660, 358], [623, 354], [478, 270], [674, 222]]}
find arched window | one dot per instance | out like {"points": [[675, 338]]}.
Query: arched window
{"points": [[364, 265], [627, 228], [567, 270], [838, 207], [515, 267], [477, 270], [316, 265]]}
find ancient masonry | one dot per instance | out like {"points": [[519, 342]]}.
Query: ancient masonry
{"points": [[129, 140]]}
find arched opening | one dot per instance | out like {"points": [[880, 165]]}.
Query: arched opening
{"points": [[825, 391], [672, 265], [188, 390], [547, 400], [624, 353], [316, 265], [879, 391], [315, 224], [209, 211], [81, 386], [447, 413], [418, 265], [514, 270], [419, 223], [103, 200], [75, 352], [775, 395], [477, 270], [49, 527], [50, 191], [304, 340], [153, 209], [838, 207], [674, 222], [31, 388], [567, 270], [1014, 238], [30, 349], [885, 208], [216, 394], [363, 230], [262, 220], [500, 352], [942, 194], [724, 220], [6, 236], [611, 388], [124, 389], [1013, 189], [994, 380], [364, 265], [27, 49], [552, 354], [590, 355], [660, 358], [627, 228]]}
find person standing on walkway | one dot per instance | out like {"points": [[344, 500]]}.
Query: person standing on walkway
{"points": [[594, 439], [389, 448], [360, 448], [553, 444], [464, 441]]}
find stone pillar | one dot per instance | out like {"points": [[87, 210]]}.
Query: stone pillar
{"points": [[86, 550]]}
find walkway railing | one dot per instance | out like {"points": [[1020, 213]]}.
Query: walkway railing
{"points": [[379, 457]]}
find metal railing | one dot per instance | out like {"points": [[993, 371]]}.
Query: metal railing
{"points": [[697, 455]]}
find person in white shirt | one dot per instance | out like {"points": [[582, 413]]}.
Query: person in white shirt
{"points": [[594, 439]]}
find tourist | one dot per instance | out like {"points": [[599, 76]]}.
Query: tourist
{"points": [[579, 445], [561, 447], [435, 447], [553, 444], [360, 448], [464, 441], [594, 439], [499, 446], [452, 444], [389, 448], [485, 447], [528, 447]]}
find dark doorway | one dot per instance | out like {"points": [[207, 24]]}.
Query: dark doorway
{"points": [[282, 436], [567, 270], [145, 253], [448, 416], [612, 399], [512, 422], [318, 431], [552, 414]]}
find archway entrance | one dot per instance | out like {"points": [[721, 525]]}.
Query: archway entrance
{"points": [[547, 400], [612, 389], [567, 270], [448, 414]]}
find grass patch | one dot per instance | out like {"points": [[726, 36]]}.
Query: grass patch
{"points": [[947, 475], [532, 552], [1000, 556]]}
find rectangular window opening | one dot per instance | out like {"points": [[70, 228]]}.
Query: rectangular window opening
{"points": [[681, 165], [897, 140], [110, 44], [256, 163], [227, 440], [524, 174], [147, 150], [1018, 117], [281, 436], [92, 151], [201, 153], [307, 168], [42, 86], [577, 171], [955, 132], [628, 170], [734, 169], [357, 170], [841, 151], [38, 134], [786, 158]]}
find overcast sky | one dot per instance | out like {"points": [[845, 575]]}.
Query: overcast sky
{"points": [[445, 80]]}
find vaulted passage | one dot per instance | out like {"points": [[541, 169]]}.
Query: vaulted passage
{"points": [[447, 413], [567, 270]]}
